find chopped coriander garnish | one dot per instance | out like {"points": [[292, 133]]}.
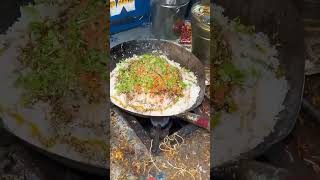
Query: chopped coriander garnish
{"points": [[229, 73], [149, 74], [58, 61]]}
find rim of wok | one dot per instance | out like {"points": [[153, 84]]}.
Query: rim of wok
{"points": [[174, 52], [69, 162], [282, 17]]}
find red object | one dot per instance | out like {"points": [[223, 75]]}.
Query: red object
{"points": [[203, 122], [151, 178], [186, 34]]}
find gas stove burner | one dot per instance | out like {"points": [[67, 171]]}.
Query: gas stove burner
{"points": [[161, 127], [162, 121], [157, 128]]}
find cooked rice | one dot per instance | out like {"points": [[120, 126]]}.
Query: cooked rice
{"points": [[12, 41], [259, 102], [191, 92]]}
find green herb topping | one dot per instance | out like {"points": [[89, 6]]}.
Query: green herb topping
{"points": [[150, 74]]}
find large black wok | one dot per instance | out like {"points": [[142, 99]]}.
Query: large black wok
{"points": [[281, 18], [173, 51]]}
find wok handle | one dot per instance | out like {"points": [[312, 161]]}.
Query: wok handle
{"points": [[196, 119]]}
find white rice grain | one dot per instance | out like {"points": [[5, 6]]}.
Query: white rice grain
{"points": [[258, 104], [191, 92]]}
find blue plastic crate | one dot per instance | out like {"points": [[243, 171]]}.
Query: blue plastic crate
{"points": [[128, 19]]}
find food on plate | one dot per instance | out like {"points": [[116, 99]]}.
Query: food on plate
{"points": [[154, 85]]}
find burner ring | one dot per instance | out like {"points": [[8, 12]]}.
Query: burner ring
{"points": [[162, 121]]}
